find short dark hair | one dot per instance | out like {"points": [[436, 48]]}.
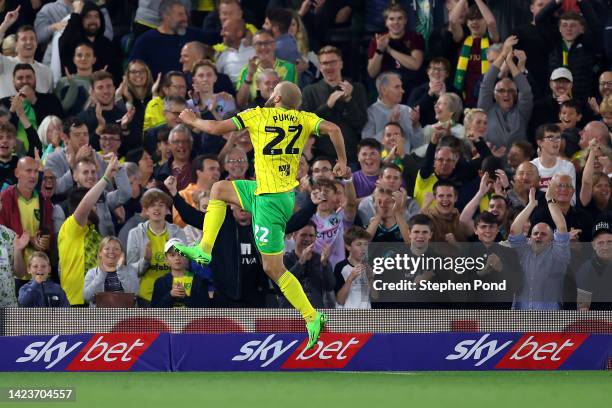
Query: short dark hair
{"points": [[394, 8], [572, 15], [71, 122], [111, 129], [486, 217], [23, 29], [280, 17], [443, 183], [572, 103], [547, 127], [23, 67], [167, 79], [166, 5], [473, 13], [390, 166], [393, 123], [420, 219], [198, 163], [323, 158], [330, 49], [440, 60], [526, 147], [491, 163], [325, 183], [100, 75], [354, 233], [9, 129], [84, 44], [369, 142]]}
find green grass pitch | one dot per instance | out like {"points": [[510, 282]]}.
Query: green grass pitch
{"points": [[319, 389]]}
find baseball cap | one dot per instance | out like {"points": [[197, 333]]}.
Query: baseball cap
{"points": [[601, 227], [170, 243], [560, 73]]}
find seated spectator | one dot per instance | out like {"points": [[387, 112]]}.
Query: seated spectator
{"points": [[548, 107], [78, 238], [578, 222], [110, 275], [210, 105], [87, 25], [596, 185], [334, 215], [25, 47], [390, 180], [311, 268], [425, 96], [110, 141], [41, 292], [398, 49], [337, 100], [549, 163], [160, 48], [146, 242], [135, 91], [235, 51], [389, 109], [352, 282], [30, 107], [173, 84], [179, 166], [8, 158], [508, 113], [277, 22], [179, 287], [266, 81], [73, 89], [544, 258], [12, 263], [265, 46], [472, 63], [205, 172], [394, 153], [388, 223], [593, 277], [368, 156], [444, 215], [448, 110]]}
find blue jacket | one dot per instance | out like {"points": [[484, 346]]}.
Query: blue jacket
{"points": [[46, 294]]}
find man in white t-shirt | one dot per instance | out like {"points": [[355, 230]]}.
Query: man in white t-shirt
{"points": [[549, 162]]}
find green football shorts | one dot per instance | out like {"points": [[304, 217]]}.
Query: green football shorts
{"points": [[270, 215]]}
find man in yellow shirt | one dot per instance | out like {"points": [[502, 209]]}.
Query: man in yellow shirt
{"points": [[278, 133]]}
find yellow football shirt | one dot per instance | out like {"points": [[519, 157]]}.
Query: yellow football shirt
{"points": [[278, 136], [158, 266]]}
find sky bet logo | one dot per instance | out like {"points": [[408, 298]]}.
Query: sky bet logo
{"points": [[533, 351], [103, 352], [333, 351]]}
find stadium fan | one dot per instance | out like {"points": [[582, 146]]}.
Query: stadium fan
{"points": [[195, 51], [369, 158], [311, 268], [227, 10], [472, 62], [73, 89], [544, 258], [274, 187], [160, 48], [548, 107], [352, 287], [135, 90], [550, 162], [78, 238], [110, 275], [40, 291], [508, 102], [447, 110], [206, 171], [397, 50], [110, 141], [447, 226], [29, 107], [425, 95], [388, 108], [236, 164], [203, 99], [393, 153], [266, 81], [278, 21], [605, 91], [593, 278], [8, 158], [595, 191], [172, 107], [180, 141], [50, 135], [525, 178], [390, 179], [519, 152], [147, 16], [180, 287], [25, 47], [12, 264], [87, 25], [235, 51], [338, 100], [146, 242], [388, 223], [265, 46], [172, 84]]}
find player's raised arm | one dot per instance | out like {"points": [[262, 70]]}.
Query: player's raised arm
{"points": [[212, 127], [335, 134]]}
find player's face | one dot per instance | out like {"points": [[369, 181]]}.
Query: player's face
{"points": [[485, 232]]}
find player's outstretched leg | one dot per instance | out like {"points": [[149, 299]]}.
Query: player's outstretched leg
{"points": [[221, 194], [293, 291]]}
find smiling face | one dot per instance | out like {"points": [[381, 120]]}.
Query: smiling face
{"points": [[26, 44], [392, 136], [605, 84], [369, 160], [526, 177], [437, 72], [176, 19], [104, 91], [565, 189], [445, 161], [27, 174], [396, 23], [442, 109], [180, 146], [110, 143], [204, 79], [304, 237], [110, 253], [560, 87], [210, 173], [8, 141], [137, 74], [265, 46], [39, 268], [322, 169], [91, 22], [601, 190], [48, 185], [486, 232], [236, 164], [505, 94], [393, 92], [84, 58], [446, 197], [86, 174], [541, 237], [331, 67], [569, 117], [156, 212], [24, 77]]}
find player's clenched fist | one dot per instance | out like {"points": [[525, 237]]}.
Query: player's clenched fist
{"points": [[340, 169], [188, 117]]}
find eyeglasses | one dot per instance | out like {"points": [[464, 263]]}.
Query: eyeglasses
{"points": [[322, 170], [176, 113], [263, 43], [505, 91], [137, 72], [553, 138], [234, 161], [605, 83], [329, 63], [565, 185], [183, 142]]}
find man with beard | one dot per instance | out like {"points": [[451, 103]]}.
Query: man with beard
{"points": [[87, 25], [160, 49], [445, 216]]}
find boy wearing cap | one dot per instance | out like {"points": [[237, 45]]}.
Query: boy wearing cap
{"points": [[180, 287], [147, 241]]}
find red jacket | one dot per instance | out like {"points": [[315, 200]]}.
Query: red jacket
{"points": [[9, 215]]}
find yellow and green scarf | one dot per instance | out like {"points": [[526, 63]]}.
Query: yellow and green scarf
{"points": [[565, 52], [464, 58]]}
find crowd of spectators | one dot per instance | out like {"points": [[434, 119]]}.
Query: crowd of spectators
{"points": [[466, 122]]}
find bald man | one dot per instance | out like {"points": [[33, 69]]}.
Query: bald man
{"points": [[525, 178], [235, 51], [278, 132], [544, 258]]}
